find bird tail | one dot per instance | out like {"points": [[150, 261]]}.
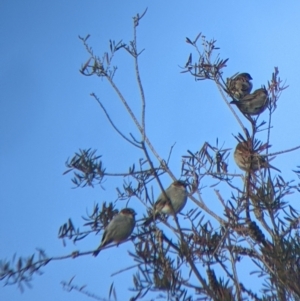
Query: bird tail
{"points": [[95, 253]]}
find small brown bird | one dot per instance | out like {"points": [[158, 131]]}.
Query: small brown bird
{"points": [[248, 160], [176, 195], [239, 86], [253, 104], [119, 228]]}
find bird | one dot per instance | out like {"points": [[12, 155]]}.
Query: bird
{"points": [[253, 104], [170, 201], [247, 160], [239, 86], [118, 229]]}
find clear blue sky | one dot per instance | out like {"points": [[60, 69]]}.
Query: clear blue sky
{"points": [[46, 113]]}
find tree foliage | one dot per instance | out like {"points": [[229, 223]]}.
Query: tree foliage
{"points": [[198, 254]]}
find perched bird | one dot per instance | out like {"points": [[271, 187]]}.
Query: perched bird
{"points": [[239, 86], [248, 160], [253, 104], [172, 200], [119, 228]]}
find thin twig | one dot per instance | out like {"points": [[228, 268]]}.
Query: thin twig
{"points": [[284, 151], [230, 107], [126, 269], [235, 274], [112, 123], [137, 72]]}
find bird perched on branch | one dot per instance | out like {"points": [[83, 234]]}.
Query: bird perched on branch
{"points": [[254, 103], [239, 86], [119, 228], [171, 201], [248, 160]]}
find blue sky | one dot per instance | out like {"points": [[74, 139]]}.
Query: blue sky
{"points": [[46, 112]]}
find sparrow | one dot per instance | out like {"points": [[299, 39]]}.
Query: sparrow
{"points": [[118, 229], [253, 104], [172, 200], [239, 86], [246, 159]]}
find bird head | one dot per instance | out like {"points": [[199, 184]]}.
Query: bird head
{"points": [[128, 211], [244, 75], [180, 183]]}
